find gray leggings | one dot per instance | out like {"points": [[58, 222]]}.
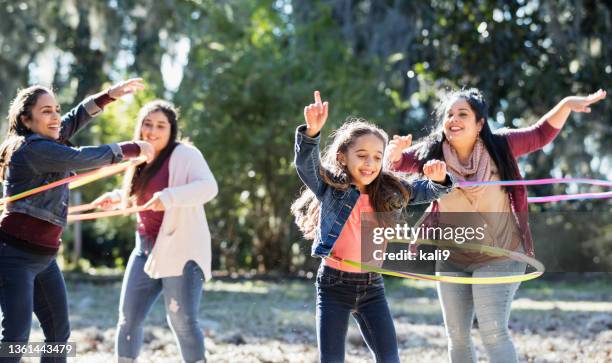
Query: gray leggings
{"points": [[491, 303]]}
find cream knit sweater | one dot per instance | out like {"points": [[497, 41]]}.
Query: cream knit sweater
{"points": [[184, 233]]}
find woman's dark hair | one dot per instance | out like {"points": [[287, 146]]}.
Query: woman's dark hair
{"points": [[386, 191], [21, 106], [430, 147], [144, 172]]}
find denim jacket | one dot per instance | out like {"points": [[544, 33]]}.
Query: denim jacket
{"points": [[336, 204], [40, 160]]}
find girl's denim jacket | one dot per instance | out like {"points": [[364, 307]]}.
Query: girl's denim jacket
{"points": [[40, 160], [337, 204]]}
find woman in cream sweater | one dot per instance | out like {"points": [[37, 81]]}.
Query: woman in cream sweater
{"points": [[172, 253]]}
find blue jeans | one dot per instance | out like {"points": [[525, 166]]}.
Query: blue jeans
{"points": [[340, 294], [32, 283], [181, 299], [491, 304]]}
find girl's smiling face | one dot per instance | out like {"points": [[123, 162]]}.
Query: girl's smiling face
{"points": [[363, 160]]}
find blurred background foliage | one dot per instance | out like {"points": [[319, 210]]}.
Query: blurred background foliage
{"points": [[241, 72]]}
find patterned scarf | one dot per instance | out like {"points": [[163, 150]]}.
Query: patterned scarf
{"points": [[477, 168]]}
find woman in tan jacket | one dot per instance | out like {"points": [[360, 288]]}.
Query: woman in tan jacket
{"points": [[474, 152]]}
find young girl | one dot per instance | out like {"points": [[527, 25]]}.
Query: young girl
{"points": [[464, 140], [348, 182], [34, 154], [172, 253]]}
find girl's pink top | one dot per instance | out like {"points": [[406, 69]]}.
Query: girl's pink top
{"points": [[348, 244]]}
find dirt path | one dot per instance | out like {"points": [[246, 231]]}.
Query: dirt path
{"points": [[257, 321]]}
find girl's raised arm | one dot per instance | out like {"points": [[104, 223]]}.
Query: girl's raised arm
{"points": [[315, 115], [307, 158]]}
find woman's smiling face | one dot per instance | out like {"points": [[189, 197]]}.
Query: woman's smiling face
{"points": [[156, 130], [46, 117], [460, 124]]}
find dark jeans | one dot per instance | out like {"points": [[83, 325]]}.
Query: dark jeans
{"points": [[340, 294], [181, 298], [32, 283]]}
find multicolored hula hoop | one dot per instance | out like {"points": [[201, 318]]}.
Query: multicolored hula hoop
{"points": [[88, 177], [550, 198], [492, 251], [76, 181]]}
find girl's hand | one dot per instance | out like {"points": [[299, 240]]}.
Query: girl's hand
{"points": [[106, 201], [155, 204], [126, 87], [315, 115], [435, 170], [397, 146], [581, 103], [146, 150]]}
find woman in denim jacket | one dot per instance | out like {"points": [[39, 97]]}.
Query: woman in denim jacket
{"points": [[348, 182], [35, 153]]}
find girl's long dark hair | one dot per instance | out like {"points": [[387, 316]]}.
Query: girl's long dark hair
{"points": [[386, 191], [430, 147], [21, 106], [137, 178]]}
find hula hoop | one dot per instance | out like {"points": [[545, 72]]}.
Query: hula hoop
{"points": [[558, 198], [105, 171], [81, 208], [546, 181], [493, 251], [95, 215], [76, 181], [91, 176], [550, 198]]}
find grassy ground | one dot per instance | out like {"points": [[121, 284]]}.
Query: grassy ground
{"points": [[263, 321]]}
